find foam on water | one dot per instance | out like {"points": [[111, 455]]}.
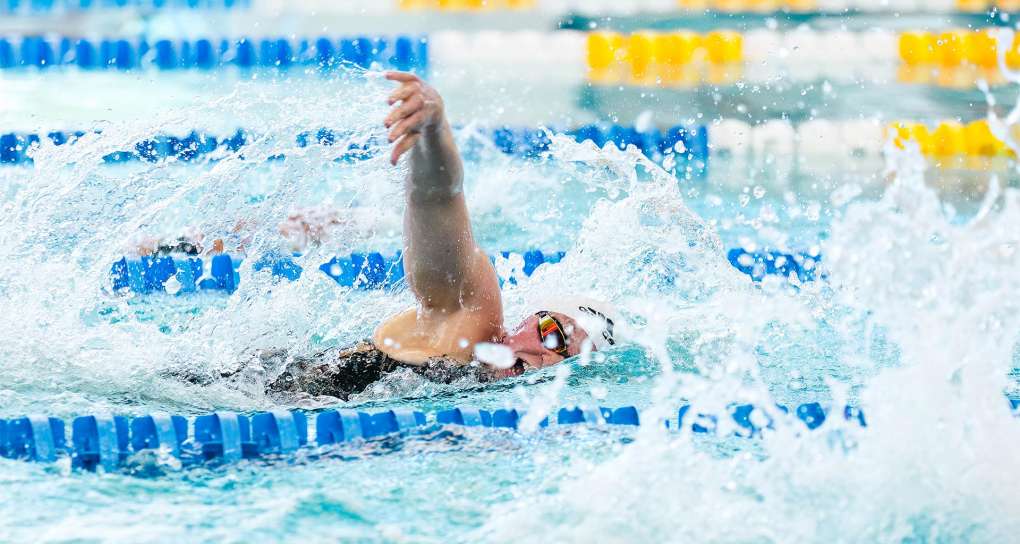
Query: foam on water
{"points": [[938, 461], [934, 463], [72, 217]]}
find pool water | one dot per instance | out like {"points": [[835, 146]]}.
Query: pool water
{"points": [[917, 322]]}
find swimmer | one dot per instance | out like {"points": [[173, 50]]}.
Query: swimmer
{"points": [[303, 228], [459, 304]]}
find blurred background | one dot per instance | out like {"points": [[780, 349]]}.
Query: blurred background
{"points": [[245, 121], [781, 91]]}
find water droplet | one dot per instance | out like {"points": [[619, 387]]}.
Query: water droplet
{"points": [[172, 286]]}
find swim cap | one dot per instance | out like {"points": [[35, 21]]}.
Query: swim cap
{"points": [[599, 319]]}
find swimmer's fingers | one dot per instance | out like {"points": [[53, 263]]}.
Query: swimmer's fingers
{"points": [[403, 92], [405, 109], [405, 143], [402, 77], [420, 106], [407, 125]]}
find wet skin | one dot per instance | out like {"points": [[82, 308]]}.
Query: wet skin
{"points": [[528, 347]]}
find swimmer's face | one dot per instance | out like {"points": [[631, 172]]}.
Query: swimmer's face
{"points": [[527, 344]]}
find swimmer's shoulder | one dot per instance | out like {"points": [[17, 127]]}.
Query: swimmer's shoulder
{"points": [[414, 337]]}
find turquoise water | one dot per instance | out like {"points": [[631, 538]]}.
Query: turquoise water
{"points": [[917, 323]]}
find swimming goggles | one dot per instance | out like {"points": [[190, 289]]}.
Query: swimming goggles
{"points": [[550, 327]]}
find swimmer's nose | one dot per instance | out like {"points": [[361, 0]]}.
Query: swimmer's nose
{"points": [[528, 351]]}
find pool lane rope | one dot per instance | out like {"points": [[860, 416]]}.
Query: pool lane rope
{"points": [[60, 7], [687, 145], [184, 275], [109, 441], [403, 52]]}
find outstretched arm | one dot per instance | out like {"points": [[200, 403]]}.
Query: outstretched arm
{"points": [[446, 270]]}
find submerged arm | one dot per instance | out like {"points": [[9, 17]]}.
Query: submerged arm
{"points": [[445, 268]]}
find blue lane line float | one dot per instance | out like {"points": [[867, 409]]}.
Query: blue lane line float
{"points": [[336, 426], [812, 415], [279, 431], [759, 264], [225, 435], [468, 417], [687, 146], [150, 274], [34, 437], [690, 142], [376, 271], [36, 7], [109, 441], [100, 441], [404, 52], [159, 431]]}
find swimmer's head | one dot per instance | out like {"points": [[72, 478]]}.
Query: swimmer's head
{"points": [[559, 328]]}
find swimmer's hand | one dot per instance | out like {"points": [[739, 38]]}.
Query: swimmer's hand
{"points": [[420, 108]]}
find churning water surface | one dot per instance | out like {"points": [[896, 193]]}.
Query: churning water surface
{"points": [[917, 323]]}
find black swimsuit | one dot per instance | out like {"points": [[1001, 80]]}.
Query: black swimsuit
{"points": [[341, 372], [338, 372]]}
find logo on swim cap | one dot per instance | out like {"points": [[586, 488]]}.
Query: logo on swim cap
{"points": [[607, 333]]}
